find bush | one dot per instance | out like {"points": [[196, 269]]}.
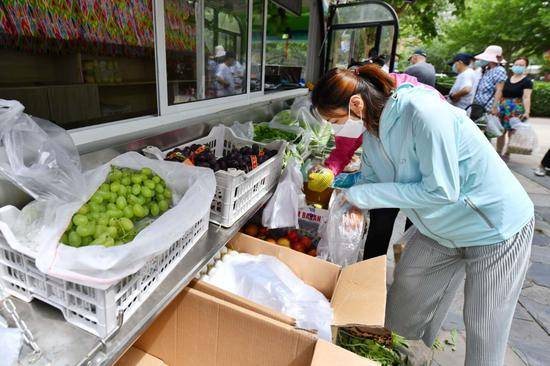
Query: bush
{"points": [[443, 84], [540, 101]]}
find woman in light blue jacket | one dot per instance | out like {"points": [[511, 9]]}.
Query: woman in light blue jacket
{"points": [[474, 220]]}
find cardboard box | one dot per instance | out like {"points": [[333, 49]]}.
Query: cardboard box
{"points": [[357, 292], [202, 330]]}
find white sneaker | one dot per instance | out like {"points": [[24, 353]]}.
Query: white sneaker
{"points": [[540, 172]]}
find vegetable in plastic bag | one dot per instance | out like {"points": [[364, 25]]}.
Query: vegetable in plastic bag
{"points": [[523, 140], [269, 282], [494, 127], [244, 130], [282, 209], [342, 235]]}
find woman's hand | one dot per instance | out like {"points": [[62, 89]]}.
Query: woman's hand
{"points": [[524, 116]]}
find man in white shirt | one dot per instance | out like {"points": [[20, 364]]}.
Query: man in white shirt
{"points": [[463, 91], [225, 82]]}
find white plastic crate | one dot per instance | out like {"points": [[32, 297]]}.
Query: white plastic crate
{"points": [[236, 192], [94, 310]]}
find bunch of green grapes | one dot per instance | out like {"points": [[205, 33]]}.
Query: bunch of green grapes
{"points": [[112, 214]]}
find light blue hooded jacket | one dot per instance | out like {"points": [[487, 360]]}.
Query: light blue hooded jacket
{"points": [[435, 164]]}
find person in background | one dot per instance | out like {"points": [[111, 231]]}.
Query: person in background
{"points": [[544, 167], [462, 93], [423, 71], [475, 65], [515, 101], [225, 84], [490, 86], [475, 221], [238, 76]]}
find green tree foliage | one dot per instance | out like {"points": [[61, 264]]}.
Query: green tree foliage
{"points": [[520, 27], [420, 16]]}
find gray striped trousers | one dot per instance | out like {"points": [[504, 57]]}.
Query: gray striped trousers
{"points": [[428, 276]]}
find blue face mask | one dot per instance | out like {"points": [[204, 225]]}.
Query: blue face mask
{"points": [[482, 63], [454, 68], [518, 70]]}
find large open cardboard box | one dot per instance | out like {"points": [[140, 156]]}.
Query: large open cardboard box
{"points": [[198, 329], [357, 292]]}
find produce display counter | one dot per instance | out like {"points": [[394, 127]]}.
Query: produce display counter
{"points": [[63, 344]]}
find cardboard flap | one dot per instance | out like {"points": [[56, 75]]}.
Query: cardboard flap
{"points": [[241, 301], [360, 294], [328, 354], [136, 357], [306, 267]]}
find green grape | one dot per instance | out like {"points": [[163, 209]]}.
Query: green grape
{"points": [[84, 209], [141, 200], [146, 192], [167, 193], [109, 242], [95, 215], [111, 206], [112, 231], [115, 213], [103, 220], [128, 212], [84, 230], [121, 203], [80, 219], [74, 239], [113, 197], [97, 198], [159, 189], [133, 199], [87, 240], [156, 179], [115, 187], [139, 211], [123, 191], [146, 209], [126, 181], [96, 207], [136, 178], [70, 226], [136, 189], [149, 184], [100, 239], [64, 238], [104, 187], [155, 209], [146, 171], [163, 205], [99, 229], [126, 224]]}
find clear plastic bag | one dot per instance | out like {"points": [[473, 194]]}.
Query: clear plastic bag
{"points": [[269, 282], [282, 209], [494, 127], [308, 119], [244, 130], [37, 229], [11, 341], [342, 235], [523, 140]]}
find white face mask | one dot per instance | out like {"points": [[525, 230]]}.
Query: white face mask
{"points": [[352, 128]]}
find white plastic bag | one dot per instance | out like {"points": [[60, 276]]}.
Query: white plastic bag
{"points": [[37, 229], [523, 140], [267, 281], [342, 235], [494, 127], [11, 340], [282, 209], [308, 119]]}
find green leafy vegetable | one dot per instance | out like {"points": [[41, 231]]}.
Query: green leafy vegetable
{"points": [[379, 350]]}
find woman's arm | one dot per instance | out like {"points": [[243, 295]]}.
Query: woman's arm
{"points": [[498, 97], [527, 102], [342, 153], [435, 143]]}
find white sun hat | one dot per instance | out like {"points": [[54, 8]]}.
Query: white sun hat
{"points": [[492, 54], [219, 51]]}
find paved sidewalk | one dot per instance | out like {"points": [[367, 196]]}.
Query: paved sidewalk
{"points": [[529, 342]]}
